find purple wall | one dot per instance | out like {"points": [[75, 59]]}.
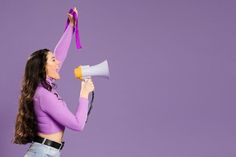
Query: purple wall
{"points": [[172, 87]]}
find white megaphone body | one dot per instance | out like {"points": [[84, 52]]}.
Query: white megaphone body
{"points": [[86, 71]]}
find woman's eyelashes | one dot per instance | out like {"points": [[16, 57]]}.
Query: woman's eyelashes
{"points": [[53, 59]]}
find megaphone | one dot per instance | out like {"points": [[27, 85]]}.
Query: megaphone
{"points": [[86, 71]]}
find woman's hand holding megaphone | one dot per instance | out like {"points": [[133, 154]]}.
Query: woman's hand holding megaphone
{"points": [[87, 87]]}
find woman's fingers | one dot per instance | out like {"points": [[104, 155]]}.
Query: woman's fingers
{"points": [[87, 86], [75, 10], [70, 16], [71, 19]]}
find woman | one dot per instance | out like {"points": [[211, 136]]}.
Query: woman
{"points": [[43, 115]]}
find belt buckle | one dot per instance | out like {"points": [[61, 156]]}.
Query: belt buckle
{"points": [[44, 140]]}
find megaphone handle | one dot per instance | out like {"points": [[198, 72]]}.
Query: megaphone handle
{"points": [[90, 106]]}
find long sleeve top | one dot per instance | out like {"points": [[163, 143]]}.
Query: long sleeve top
{"points": [[51, 111]]}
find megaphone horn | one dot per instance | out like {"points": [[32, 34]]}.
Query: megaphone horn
{"points": [[86, 71]]}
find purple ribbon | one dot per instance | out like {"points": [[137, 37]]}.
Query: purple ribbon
{"points": [[75, 28]]}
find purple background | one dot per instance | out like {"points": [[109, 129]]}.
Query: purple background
{"points": [[172, 87]]}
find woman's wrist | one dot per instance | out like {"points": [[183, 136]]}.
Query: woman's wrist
{"points": [[71, 24], [84, 94]]}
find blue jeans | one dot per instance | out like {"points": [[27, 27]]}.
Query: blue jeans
{"points": [[41, 150]]}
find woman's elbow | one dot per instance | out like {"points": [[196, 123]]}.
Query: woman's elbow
{"points": [[79, 127]]}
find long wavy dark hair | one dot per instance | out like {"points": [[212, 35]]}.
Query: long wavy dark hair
{"points": [[35, 73]]}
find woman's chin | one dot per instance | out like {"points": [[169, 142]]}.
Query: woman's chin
{"points": [[57, 77]]}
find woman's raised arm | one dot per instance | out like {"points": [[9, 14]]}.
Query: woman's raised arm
{"points": [[63, 45]]}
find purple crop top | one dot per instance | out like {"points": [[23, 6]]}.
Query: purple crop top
{"points": [[51, 111]]}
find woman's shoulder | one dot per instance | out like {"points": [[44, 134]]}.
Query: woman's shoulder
{"points": [[42, 92]]}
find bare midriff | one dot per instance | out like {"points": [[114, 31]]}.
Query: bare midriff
{"points": [[57, 137]]}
